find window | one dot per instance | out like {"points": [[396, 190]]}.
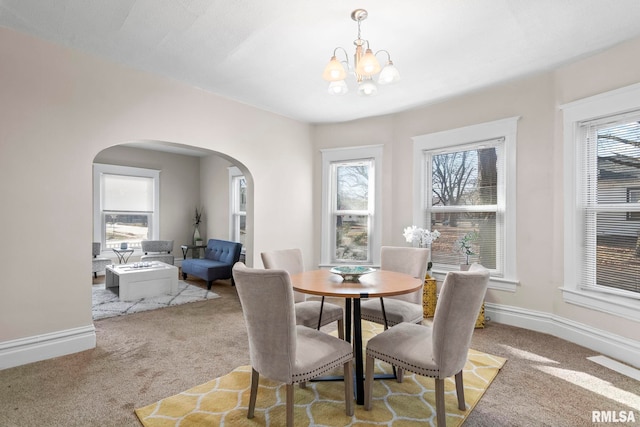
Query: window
{"points": [[351, 206], [465, 185], [462, 198], [125, 205], [238, 205], [602, 203], [610, 164]]}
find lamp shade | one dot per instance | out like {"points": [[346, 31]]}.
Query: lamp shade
{"points": [[367, 88], [389, 74], [334, 71], [338, 88], [368, 65]]}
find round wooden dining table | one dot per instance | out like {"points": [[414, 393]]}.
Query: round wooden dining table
{"points": [[380, 283]]}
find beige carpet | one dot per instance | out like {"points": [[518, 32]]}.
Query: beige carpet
{"points": [[223, 401]]}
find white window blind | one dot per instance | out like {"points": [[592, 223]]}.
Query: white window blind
{"points": [[610, 203], [127, 193]]}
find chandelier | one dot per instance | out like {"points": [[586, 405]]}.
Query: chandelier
{"points": [[365, 66]]}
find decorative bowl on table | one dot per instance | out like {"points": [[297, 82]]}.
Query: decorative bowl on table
{"points": [[351, 273]]}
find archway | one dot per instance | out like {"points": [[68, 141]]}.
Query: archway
{"points": [[190, 177]]}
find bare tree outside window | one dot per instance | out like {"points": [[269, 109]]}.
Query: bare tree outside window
{"points": [[353, 183], [461, 182]]}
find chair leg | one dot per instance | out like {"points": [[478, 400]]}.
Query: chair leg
{"points": [[460, 392], [95, 275], [289, 405], [255, 377], [399, 374], [368, 382], [341, 329], [348, 387], [302, 384], [441, 414], [320, 315], [209, 283]]}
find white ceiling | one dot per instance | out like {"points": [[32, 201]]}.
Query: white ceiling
{"points": [[271, 53]]}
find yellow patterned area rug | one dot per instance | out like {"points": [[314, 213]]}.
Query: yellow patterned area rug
{"points": [[224, 400]]}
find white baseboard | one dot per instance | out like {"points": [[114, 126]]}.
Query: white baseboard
{"points": [[614, 346], [41, 347]]}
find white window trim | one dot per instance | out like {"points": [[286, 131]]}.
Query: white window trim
{"points": [[234, 172], [605, 104], [99, 169], [345, 154], [505, 128]]}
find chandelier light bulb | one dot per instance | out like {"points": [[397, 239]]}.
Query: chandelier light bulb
{"points": [[368, 65], [338, 88], [367, 88], [389, 74], [334, 71]]}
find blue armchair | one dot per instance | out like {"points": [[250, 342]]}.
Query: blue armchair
{"points": [[218, 261]]}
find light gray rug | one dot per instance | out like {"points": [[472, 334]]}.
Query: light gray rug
{"points": [[105, 302]]}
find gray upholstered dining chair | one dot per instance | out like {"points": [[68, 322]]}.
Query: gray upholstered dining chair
{"points": [[278, 348], [439, 351], [98, 263], [401, 308], [157, 250], [313, 314]]}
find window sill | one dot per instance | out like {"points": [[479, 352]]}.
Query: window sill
{"points": [[497, 283], [611, 304]]}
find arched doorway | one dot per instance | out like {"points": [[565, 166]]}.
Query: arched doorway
{"points": [[189, 178]]}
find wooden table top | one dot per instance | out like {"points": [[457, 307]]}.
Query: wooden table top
{"points": [[380, 283]]}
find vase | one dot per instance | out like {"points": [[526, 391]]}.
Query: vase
{"points": [[196, 236]]}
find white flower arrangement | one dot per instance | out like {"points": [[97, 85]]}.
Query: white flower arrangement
{"points": [[423, 236]]}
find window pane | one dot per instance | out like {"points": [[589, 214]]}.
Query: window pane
{"points": [[614, 234], [352, 183], [465, 178], [617, 253], [242, 219], [618, 152], [126, 228], [352, 237], [453, 226], [242, 194]]}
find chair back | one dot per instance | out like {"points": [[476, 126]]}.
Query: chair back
{"points": [[289, 260], [268, 309], [411, 261], [157, 246], [223, 250], [458, 306], [96, 248]]}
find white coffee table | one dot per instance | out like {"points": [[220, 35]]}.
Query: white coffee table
{"points": [[142, 282]]}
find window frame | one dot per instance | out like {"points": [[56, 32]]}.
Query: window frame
{"points": [[632, 216], [493, 208], [504, 278], [98, 215], [338, 155], [612, 103]]}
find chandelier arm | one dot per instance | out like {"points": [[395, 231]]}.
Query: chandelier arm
{"points": [[388, 54], [346, 55]]}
